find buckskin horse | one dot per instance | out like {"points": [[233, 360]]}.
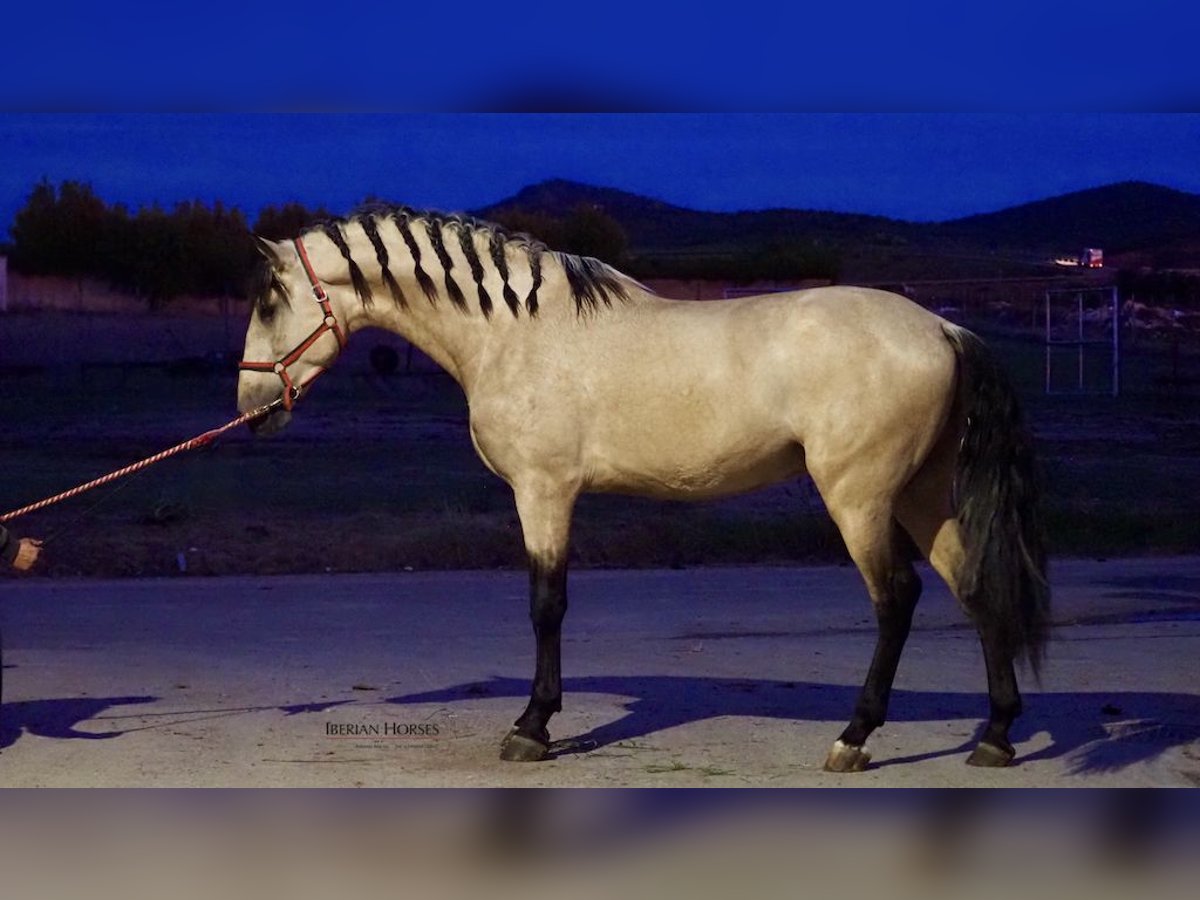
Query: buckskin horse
{"points": [[578, 378]]}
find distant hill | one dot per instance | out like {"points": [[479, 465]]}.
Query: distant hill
{"points": [[653, 225], [1129, 216]]}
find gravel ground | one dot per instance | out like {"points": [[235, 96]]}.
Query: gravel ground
{"points": [[722, 677]]}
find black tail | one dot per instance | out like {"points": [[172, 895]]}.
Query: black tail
{"points": [[1003, 581]]}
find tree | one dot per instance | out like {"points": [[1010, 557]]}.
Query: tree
{"points": [[537, 225], [218, 250], [194, 249], [586, 231], [589, 231], [277, 223], [59, 232]]}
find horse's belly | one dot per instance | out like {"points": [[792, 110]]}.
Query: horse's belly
{"points": [[687, 475]]}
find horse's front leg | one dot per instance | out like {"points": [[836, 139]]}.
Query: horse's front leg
{"points": [[545, 512]]}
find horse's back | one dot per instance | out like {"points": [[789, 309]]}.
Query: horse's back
{"points": [[826, 353], [735, 394], [688, 399], [849, 313]]}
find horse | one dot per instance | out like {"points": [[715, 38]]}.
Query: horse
{"points": [[580, 379]]}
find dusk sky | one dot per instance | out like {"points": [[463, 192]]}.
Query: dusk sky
{"points": [[914, 166], [926, 111]]}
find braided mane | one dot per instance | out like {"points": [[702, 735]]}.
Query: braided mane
{"points": [[593, 284]]}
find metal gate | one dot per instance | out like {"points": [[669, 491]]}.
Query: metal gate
{"points": [[1083, 341]]}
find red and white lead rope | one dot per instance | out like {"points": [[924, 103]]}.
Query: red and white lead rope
{"points": [[292, 391], [192, 444]]}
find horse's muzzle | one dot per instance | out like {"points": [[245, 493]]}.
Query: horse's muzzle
{"points": [[271, 423], [252, 396]]}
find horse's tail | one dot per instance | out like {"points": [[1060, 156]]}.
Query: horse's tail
{"points": [[1003, 581]]}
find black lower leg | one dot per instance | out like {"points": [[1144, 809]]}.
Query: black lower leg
{"points": [[1004, 699], [547, 606], [894, 616]]}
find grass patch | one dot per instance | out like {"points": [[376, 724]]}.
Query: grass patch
{"points": [[366, 481]]}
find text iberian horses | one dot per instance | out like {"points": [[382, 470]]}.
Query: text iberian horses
{"points": [[580, 379]]}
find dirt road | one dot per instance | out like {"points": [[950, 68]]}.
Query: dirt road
{"points": [[730, 677]]}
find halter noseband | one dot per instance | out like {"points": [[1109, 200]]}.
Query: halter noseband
{"points": [[292, 390]]}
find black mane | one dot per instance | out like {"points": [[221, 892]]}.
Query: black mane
{"points": [[593, 283]]}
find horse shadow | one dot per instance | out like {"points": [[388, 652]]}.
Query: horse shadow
{"points": [[1097, 732], [60, 718]]}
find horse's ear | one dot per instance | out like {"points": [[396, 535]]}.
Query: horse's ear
{"points": [[270, 251]]}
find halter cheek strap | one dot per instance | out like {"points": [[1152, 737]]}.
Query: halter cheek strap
{"points": [[292, 390]]}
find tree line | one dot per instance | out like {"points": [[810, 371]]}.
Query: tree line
{"points": [[206, 250], [192, 249]]}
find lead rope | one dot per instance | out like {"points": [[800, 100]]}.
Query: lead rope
{"points": [[190, 444]]}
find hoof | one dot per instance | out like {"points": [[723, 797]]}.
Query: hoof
{"points": [[844, 758], [990, 756], [519, 748]]}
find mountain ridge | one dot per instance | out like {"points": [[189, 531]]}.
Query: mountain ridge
{"points": [[1122, 216]]}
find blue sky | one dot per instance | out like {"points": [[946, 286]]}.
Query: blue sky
{"points": [[927, 110], [923, 166]]}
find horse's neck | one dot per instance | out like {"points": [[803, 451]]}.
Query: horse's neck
{"points": [[456, 311], [446, 335], [434, 322]]}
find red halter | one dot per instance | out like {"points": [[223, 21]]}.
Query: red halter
{"points": [[292, 390]]}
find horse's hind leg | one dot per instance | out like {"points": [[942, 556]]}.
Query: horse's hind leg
{"points": [[545, 512], [925, 511], [884, 556], [994, 748]]}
